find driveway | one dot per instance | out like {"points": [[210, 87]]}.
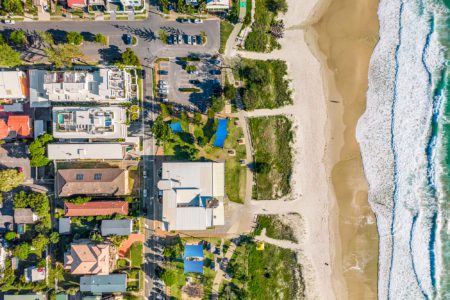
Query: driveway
{"points": [[148, 47], [14, 155]]}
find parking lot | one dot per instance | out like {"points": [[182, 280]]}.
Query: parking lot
{"points": [[205, 76]]}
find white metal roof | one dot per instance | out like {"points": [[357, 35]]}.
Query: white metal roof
{"points": [[85, 151], [10, 85], [64, 225]]}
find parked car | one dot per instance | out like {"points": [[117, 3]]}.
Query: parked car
{"points": [[164, 100], [145, 174], [128, 39], [199, 40], [215, 72], [163, 82], [170, 39], [195, 72], [163, 72], [184, 20], [188, 39], [198, 21], [194, 40], [215, 62], [180, 39], [145, 193], [194, 81], [12, 22]]}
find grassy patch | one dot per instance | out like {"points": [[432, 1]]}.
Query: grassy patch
{"points": [[260, 39], [271, 137], [121, 263], [269, 274], [248, 14], [266, 85], [225, 30], [135, 253], [275, 228]]}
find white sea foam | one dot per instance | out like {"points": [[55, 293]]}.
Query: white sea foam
{"points": [[404, 269]]}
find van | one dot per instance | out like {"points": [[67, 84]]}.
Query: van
{"points": [[145, 193], [145, 174]]}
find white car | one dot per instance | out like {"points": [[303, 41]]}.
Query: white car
{"points": [[145, 174], [198, 21], [145, 193], [12, 22]]}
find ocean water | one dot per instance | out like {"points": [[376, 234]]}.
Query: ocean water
{"points": [[404, 136]]}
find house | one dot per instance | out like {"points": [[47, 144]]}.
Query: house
{"points": [[24, 297], [192, 2], [64, 225], [76, 3], [77, 151], [34, 274], [96, 208], [92, 182], [24, 216], [6, 223], [104, 283], [193, 195], [107, 85], [128, 4], [15, 127], [217, 5], [3, 255], [88, 258], [13, 87], [117, 227], [102, 123]]}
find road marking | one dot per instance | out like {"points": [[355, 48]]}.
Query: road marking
{"points": [[146, 280]]}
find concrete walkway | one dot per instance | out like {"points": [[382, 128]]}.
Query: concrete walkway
{"points": [[220, 275]]}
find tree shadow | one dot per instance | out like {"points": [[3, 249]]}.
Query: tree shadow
{"points": [[110, 54], [59, 36], [88, 36], [142, 33]]}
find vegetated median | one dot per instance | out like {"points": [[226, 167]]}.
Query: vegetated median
{"points": [[260, 39], [272, 166], [225, 30], [266, 85]]}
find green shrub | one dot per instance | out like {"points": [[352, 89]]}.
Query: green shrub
{"points": [[101, 39], [74, 38], [18, 37]]}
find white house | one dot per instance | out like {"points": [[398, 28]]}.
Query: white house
{"points": [[193, 195]]}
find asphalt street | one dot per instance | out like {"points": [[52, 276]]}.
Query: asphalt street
{"points": [[149, 46]]}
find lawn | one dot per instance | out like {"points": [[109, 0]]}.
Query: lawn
{"points": [[271, 138], [196, 142], [260, 39], [269, 274], [135, 253], [225, 30], [266, 85], [275, 228]]}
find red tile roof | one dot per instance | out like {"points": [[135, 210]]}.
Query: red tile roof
{"points": [[20, 124], [132, 238], [95, 208], [77, 3], [4, 129]]}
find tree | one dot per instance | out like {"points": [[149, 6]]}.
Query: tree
{"points": [[10, 235], [277, 5], [74, 38], [210, 113], [54, 237], [197, 117], [161, 130], [101, 39], [129, 58], [13, 6], [18, 37], [22, 251], [97, 237], [164, 111], [229, 91], [37, 150], [9, 179], [217, 104], [62, 56], [180, 7], [36, 201], [39, 243], [79, 200], [163, 36], [8, 56], [117, 239]]}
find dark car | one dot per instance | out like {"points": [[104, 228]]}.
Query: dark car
{"points": [[128, 39], [163, 72], [199, 39], [170, 40], [143, 74], [215, 72], [194, 81]]}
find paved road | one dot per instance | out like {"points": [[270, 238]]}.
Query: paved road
{"points": [[147, 31]]}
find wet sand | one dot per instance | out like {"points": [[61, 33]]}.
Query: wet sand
{"points": [[346, 32]]}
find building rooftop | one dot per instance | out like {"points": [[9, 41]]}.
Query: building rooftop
{"points": [[6, 223], [87, 258], [117, 227], [24, 216], [85, 151], [107, 182], [193, 194], [95, 208], [104, 283], [24, 297], [89, 122], [110, 85], [15, 126], [34, 274], [13, 85], [64, 225]]}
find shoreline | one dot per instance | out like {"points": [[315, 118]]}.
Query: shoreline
{"points": [[346, 31]]}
